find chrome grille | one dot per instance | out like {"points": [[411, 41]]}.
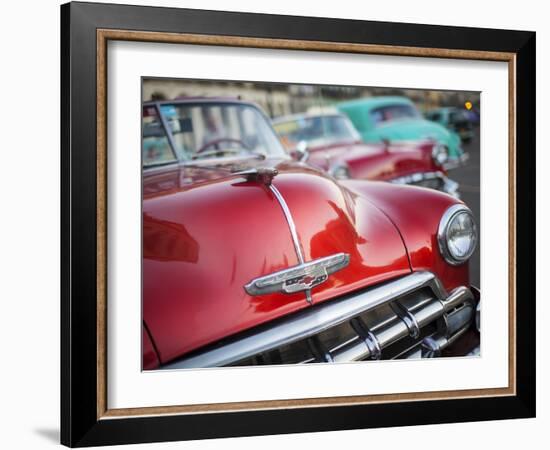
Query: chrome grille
{"points": [[433, 180], [382, 322], [381, 333]]}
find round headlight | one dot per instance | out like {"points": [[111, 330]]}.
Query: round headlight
{"points": [[440, 155], [457, 234], [340, 172]]}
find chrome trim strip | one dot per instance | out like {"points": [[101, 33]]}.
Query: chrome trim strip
{"points": [[311, 321], [417, 177], [478, 318], [450, 187], [406, 316], [454, 163], [293, 232], [290, 221], [368, 337], [433, 345]]}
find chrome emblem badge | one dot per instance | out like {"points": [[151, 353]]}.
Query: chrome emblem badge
{"points": [[298, 278], [309, 279]]}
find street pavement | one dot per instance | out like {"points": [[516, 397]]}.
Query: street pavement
{"points": [[468, 177]]}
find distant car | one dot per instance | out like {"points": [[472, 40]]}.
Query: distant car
{"points": [[454, 119], [335, 146], [392, 119], [252, 258], [473, 116]]}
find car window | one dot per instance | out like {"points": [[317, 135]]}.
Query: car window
{"points": [[316, 130], [393, 112], [217, 129], [458, 116], [156, 149], [435, 116]]}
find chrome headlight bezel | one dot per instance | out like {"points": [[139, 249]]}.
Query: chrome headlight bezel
{"points": [[450, 215], [340, 171], [440, 154]]}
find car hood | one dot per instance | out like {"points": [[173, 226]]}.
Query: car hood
{"points": [[377, 161], [208, 232]]}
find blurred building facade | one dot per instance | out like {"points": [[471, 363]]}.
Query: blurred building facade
{"points": [[279, 99]]}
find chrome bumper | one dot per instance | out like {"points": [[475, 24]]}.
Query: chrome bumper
{"points": [[430, 304], [445, 184], [457, 162]]}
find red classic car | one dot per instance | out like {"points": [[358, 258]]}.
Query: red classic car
{"points": [[335, 146], [251, 257]]}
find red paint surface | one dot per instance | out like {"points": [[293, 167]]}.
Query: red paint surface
{"points": [[150, 357], [207, 233], [377, 161], [416, 212]]}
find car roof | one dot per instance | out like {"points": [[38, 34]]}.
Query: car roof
{"points": [[299, 116], [374, 102]]}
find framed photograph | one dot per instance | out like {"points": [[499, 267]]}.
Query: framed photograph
{"points": [[277, 224]]}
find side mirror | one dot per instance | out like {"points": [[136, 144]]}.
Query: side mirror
{"points": [[300, 153]]}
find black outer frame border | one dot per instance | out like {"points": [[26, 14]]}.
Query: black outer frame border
{"points": [[79, 425]]}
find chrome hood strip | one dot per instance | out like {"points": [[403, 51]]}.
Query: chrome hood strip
{"points": [[314, 320], [293, 232]]}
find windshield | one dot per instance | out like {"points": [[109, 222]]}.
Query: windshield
{"points": [[316, 131], [207, 130], [393, 112], [156, 149], [436, 116]]}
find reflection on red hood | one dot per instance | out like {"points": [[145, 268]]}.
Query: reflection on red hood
{"points": [[208, 232], [376, 161]]}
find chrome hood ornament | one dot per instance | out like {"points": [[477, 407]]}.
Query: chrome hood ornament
{"points": [[263, 175], [301, 277]]}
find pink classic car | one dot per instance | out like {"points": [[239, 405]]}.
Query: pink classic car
{"points": [[329, 141]]}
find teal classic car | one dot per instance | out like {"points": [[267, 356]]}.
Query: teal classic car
{"points": [[397, 119], [454, 119]]}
